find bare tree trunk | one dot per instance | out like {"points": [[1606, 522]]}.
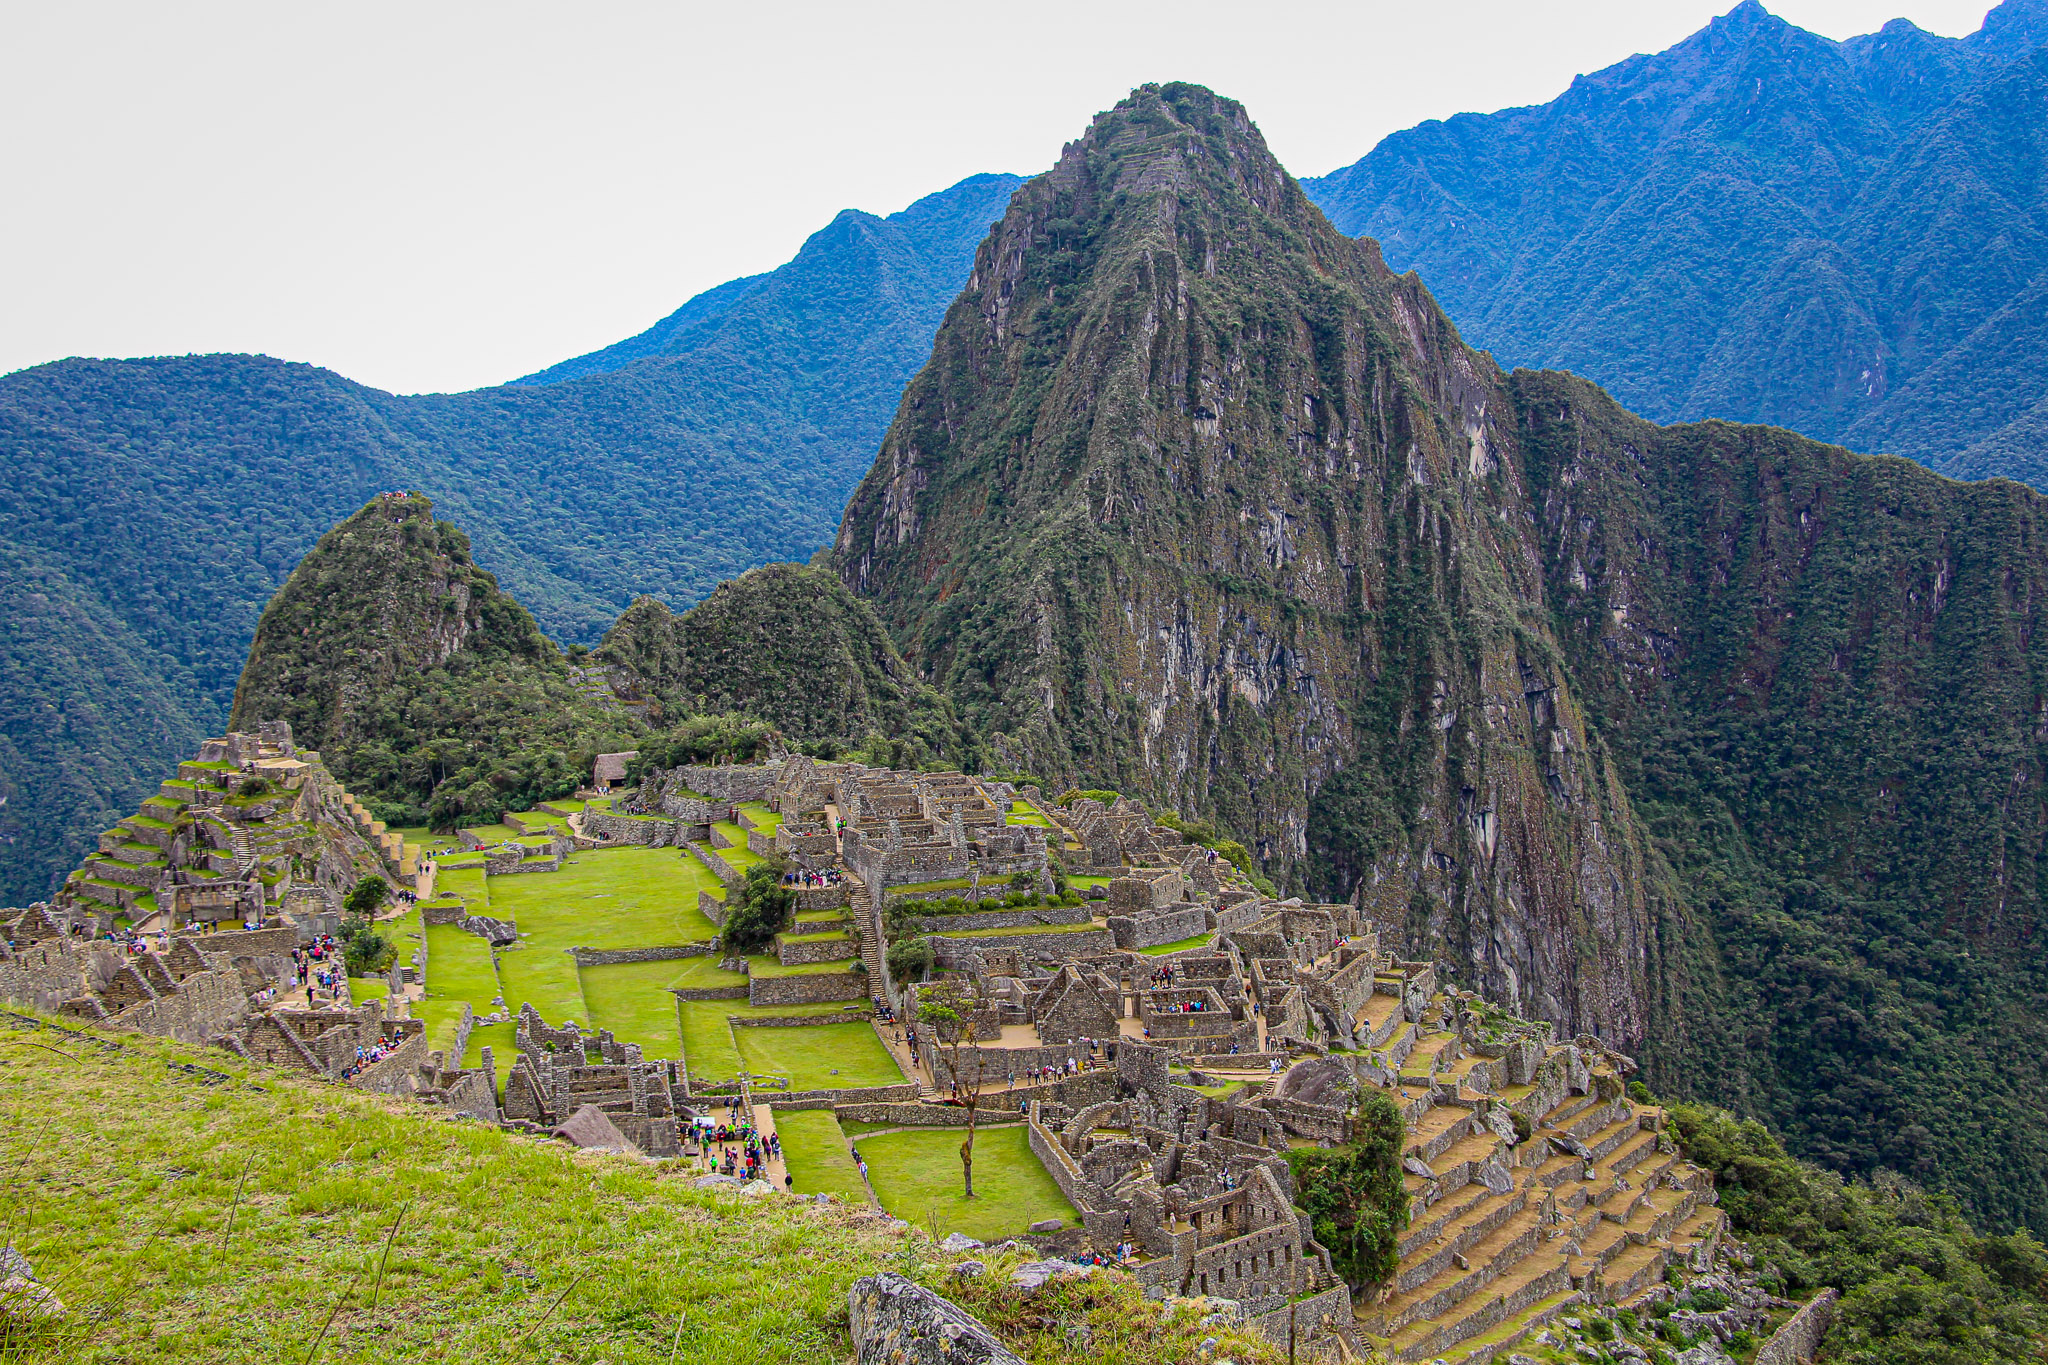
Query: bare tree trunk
{"points": [[973, 1111]]}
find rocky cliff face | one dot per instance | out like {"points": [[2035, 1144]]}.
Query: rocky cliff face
{"points": [[1196, 498], [1710, 740]]}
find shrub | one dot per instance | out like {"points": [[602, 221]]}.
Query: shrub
{"points": [[367, 896], [763, 907], [369, 953], [1354, 1196], [910, 958]]}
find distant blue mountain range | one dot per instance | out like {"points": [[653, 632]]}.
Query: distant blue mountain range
{"points": [[151, 507], [1761, 224]]}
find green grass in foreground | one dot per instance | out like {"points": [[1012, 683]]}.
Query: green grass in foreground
{"points": [[814, 1149], [498, 1227], [809, 1056], [362, 989], [916, 1175]]}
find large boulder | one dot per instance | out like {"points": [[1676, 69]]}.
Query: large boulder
{"points": [[897, 1322], [592, 1129], [1328, 1082]]}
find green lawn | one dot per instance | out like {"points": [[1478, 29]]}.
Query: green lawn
{"points": [[546, 978], [768, 966], [496, 1037], [1199, 940], [1087, 883], [916, 1174], [470, 883], [610, 898], [765, 820], [820, 1057], [918, 888], [440, 1018], [632, 1000], [739, 855], [707, 1039], [491, 834], [1024, 813], [814, 1148], [362, 989], [459, 967]]}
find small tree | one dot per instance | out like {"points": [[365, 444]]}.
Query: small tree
{"points": [[761, 908], [368, 953], [950, 1029], [1354, 1197], [367, 896]]}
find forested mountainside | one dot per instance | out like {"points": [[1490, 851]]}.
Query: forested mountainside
{"points": [[426, 688], [1712, 740], [787, 643], [1760, 224], [151, 507]]}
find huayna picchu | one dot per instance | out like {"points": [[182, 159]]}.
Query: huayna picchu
{"points": [[1264, 838]]}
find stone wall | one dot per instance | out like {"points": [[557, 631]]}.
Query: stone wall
{"points": [[807, 989], [712, 907], [720, 868], [800, 1020], [634, 829], [394, 1074], [1004, 919], [606, 957], [738, 783], [1311, 1323], [709, 992], [996, 1062], [205, 1005], [1166, 926], [1083, 1193], [248, 942], [1065, 947], [1798, 1340], [795, 951]]}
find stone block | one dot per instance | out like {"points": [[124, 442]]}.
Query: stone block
{"points": [[897, 1322]]}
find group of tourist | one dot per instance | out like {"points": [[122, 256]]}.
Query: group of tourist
{"points": [[1162, 977], [368, 1056], [829, 877], [736, 1147], [318, 966], [1185, 1007]]}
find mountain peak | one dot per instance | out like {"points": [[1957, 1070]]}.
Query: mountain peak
{"points": [[2012, 29], [1163, 136]]}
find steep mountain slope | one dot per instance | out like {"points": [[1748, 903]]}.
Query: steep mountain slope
{"points": [[1196, 498], [175, 495], [422, 684], [1759, 224], [1712, 740], [786, 643]]}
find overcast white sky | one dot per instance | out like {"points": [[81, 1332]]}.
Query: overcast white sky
{"points": [[434, 196]]}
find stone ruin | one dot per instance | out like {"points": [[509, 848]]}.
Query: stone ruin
{"points": [[554, 1078]]}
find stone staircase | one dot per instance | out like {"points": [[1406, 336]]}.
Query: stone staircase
{"points": [[1506, 1234]]}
